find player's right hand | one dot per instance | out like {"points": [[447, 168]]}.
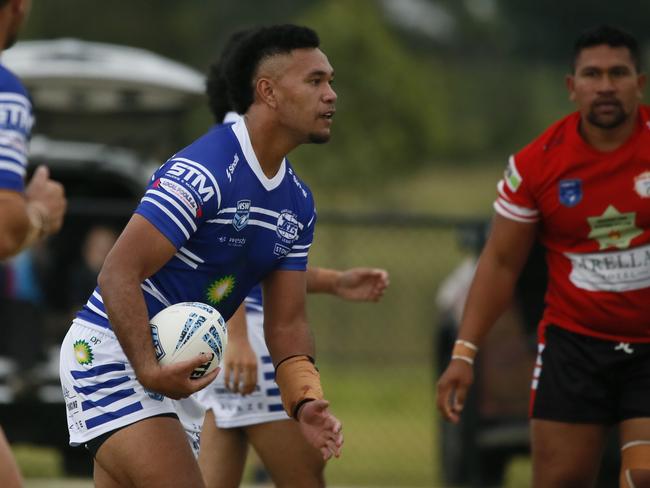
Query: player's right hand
{"points": [[362, 284], [452, 389], [321, 429], [240, 367], [49, 195], [174, 381]]}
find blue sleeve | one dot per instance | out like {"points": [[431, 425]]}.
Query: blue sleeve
{"points": [[181, 194], [16, 121], [296, 258]]}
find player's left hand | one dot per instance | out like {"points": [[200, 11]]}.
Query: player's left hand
{"points": [[240, 367], [362, 284], [321, 429]]}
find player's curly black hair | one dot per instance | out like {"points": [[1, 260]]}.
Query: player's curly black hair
{"points": [[216, 87], [610, 36], [240, 64]]}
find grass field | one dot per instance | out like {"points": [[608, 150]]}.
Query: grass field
{"points": [[377, 360]]}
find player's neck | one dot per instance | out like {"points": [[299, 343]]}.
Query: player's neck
{"points": [[607, 140], [269, 142]]}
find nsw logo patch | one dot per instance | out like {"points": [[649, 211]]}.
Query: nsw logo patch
{"points": [[242, 215], [570, 192]]}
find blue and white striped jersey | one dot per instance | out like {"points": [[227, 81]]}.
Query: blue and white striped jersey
{"points": [[16, 120], [230, 224]]}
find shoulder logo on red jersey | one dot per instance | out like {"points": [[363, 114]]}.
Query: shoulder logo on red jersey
{"points": [[512, 177], [642, 184]]}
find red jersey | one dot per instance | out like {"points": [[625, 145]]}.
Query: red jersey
{"points": [[593, 210]]}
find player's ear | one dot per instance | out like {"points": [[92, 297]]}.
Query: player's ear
{"points": [[265, 90], [640, 85], [19, 7], [569, 80]]}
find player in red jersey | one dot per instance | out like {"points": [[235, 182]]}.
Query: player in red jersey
{"points": [[583, 189]]}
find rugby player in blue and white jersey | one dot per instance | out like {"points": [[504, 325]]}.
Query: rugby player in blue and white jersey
{"points": [[220, 216], [243, 403], [26, 213], [32, 212]]}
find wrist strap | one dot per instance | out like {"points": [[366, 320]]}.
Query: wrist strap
{"points": [[467, 344], [299, 382], [465, 351], [37, 216], [468, 360]]}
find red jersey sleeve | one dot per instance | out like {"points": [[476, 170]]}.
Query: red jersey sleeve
{"points": [[515, 200]]}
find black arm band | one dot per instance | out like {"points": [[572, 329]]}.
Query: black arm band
{"points": [[311, 359]]}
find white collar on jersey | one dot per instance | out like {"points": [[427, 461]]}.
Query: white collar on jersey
{"points": [[241, 132], [231, 117]]}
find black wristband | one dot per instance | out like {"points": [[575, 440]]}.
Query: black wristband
{"points": [[296, 410], [311, 359]]}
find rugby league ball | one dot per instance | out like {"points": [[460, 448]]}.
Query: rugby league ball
{"points": [[184, 330]]}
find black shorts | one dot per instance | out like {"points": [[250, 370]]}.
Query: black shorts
{"points": [[587, 380], [93, 445]]}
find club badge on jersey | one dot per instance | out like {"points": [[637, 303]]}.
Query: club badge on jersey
{"points": [[570, 192], [242, 215]]}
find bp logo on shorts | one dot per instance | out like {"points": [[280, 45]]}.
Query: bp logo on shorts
{"points": [[240, 219], [83, 353], [287, 226]]}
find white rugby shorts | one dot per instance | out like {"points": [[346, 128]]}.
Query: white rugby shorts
{"points": [[264, 404], [101, 391]]}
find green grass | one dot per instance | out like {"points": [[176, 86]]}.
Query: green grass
{"points": [[388, 424], [518, 474], [38, 462]]}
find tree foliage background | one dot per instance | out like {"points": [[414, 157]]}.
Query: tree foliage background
{"points": [[468, 94]]}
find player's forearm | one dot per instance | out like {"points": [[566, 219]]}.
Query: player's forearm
{"points": [[237, 327], [499, 266], [21, 224], [322, 280], [127, 313], [292, 352], [489, 296], [288, 339]]}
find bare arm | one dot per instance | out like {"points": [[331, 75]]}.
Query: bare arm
{"points": [[11, 477], [354, 284], [287, 334], [26, 218], [140, 251], [499, 266], [16, 223], [240, 361], [285, 317]]}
